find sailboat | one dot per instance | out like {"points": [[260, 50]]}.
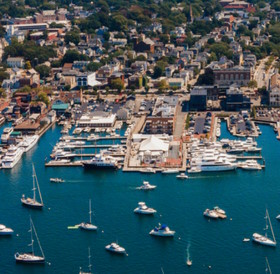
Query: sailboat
{"points": [[264, 240], [89, 265], [89, 225], [32, 202], [31, 258]]}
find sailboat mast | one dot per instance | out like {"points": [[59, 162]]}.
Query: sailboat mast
{"points": [[267, 266], [90, 211], [37, 239], [34, 188], [31, 234], [89, 264], [270, 226], [37, 183]]}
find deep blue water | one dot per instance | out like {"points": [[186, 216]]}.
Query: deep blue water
{"points": [[180, 204]]}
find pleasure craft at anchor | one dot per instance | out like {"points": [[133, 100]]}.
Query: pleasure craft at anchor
{"points": [[210, 214], [143, 209], [5, 230], [115, 248], [162, 231]]}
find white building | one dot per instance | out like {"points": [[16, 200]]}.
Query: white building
{"points": [[153, 149], [15, 62], [97, 121], [87, 79], [274, 97]]}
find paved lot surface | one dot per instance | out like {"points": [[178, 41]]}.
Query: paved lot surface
{"points": [[199, 125]]}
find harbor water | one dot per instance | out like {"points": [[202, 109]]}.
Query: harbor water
{"points": [[179, 204]]}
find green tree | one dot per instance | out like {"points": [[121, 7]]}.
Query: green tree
{"points": [[43, 70], [117, 84], [2, 93], [253, 84], [27, 65], [43, 97], [93, 66], [73, 55], [162, 85], [73, 37], [158, 71]]}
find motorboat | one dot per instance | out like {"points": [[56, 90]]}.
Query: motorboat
{"points": [[194, 169], [278, 217], [162, 231], [5, 230], [115, 248], [101, 162], [219, 210], [189, 262], [146, 186], [143, 209], [218, 132], [210, 214], [61, 154], [182, 176], [148, 170], [251, 165], [29, 142], [6, 134], [32, 202], [264, 240], [170, 171], [77, 130], [56, 180], [89, 225], [31, 258], [92, 137], [246, 240], [12, 156]]}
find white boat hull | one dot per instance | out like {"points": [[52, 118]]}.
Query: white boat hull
{"points": [[260, 239]]}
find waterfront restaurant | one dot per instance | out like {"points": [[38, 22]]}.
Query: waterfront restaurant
{"points": [[101, 121]]}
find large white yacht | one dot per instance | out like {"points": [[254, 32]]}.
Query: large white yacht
{"points": [[6, 134], [29, 142], [12, 156], [210, 164], [101, 162]]}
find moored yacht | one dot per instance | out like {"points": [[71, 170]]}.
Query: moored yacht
{"points": [[143, 209], [264, 240], [29, 142], [170, 171], [115, 248], [12, 156], [101, 162], [32, 202], [146, 186], [89, 225], [148, 170], [162, 231], [6, 134], [31, 258], [251, 165], [211, 214], [5, 230]]}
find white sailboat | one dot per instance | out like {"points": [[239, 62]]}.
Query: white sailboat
{"points": [[89, 265], [264, 240], [32, 202], [89, 225], [31, 258]]}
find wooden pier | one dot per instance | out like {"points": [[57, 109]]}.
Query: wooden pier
{"points": [[71, 164], [249, 157]]}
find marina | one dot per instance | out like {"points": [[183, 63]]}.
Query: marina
{"points": [[124, 184]]}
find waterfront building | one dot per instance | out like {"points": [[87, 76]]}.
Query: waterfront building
{"points": [[103, 120]]}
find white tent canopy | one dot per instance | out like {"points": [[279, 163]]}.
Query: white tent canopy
{"points": [[153, 144]]}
